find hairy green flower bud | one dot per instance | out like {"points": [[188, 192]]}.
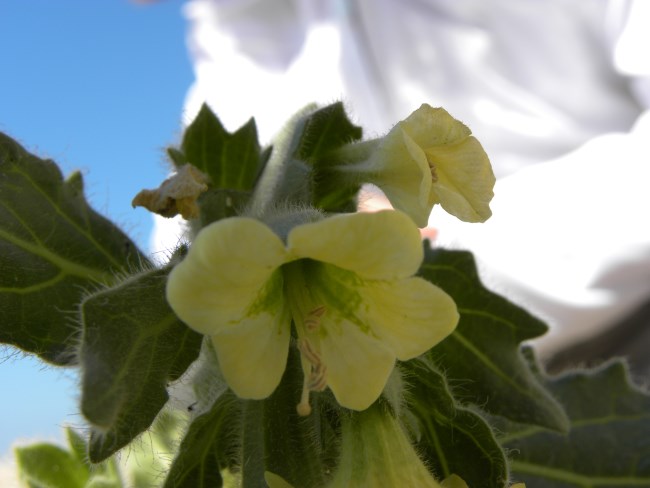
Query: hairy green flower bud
{"points": [[376, 452]]}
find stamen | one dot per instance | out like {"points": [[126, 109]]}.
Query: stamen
{"points": [[316, 380], [434, 173], [312, 321], [305, 348]]}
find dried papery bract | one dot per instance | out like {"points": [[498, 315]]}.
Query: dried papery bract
{"points": [[178, 194]]}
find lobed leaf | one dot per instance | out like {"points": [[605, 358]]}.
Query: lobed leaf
{"points": [[53, 247], [232, 161], [608, 443], [132, 346], [482, 356], [448, 434], [325, 130]]}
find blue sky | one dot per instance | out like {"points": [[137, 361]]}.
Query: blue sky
{"points": [[97, 86]]}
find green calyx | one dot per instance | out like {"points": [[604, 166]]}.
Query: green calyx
{"points": [[376, 452]]}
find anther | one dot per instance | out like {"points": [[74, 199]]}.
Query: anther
{"points": [[316, 380], [304, 346], [312, 321], [434, 173]]}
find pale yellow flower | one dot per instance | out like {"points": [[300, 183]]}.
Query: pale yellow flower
{"points": [[431, 158], [347, 284]]}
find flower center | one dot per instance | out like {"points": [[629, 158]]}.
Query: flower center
{"points": [[316, 291], [434, 173], [307, 319], [312, 321], [432, 167]]}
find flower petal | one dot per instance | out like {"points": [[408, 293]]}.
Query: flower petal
{"points": [[430, 126], [275, 481], [381, 245], [464, 175], [228, 269], [253, 354], [465, 179], [403, 174], [454, 481], [410, 316], [358, 365]]}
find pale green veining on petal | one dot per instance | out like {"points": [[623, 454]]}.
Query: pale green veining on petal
{"points": [[243, 287], [270, 297], [337, 289]]}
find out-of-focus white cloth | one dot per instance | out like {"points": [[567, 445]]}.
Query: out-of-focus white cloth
{"points": [[552, 89], [532, 79]]}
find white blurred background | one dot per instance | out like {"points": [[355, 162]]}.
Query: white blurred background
{"points": [[557, 91]]}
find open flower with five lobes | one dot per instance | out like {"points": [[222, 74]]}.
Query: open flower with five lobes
{"points": [[430, 158], [346, 283]]}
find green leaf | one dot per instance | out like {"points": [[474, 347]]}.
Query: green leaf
{"points": [[232, 161], [483, 353], [284, 179], [177, 157], [450, 434], [77, 443], [217, 204], [333, 192], [210, 445], [132, 346], [53, 246], [50, 466], [45, 465], [292, 174], [608, 444], [104, 475], [325, 130]]}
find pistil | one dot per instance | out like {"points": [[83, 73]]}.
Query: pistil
{"points": [[307, 319], [316, 380]]}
